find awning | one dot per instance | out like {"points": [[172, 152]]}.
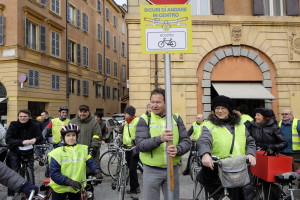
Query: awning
{"points": [[243, 90], [3, 100]]}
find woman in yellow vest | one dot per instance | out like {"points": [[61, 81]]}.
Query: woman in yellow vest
{"points": [[68, 165], [216, 140]]}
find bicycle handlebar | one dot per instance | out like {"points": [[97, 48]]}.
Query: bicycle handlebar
{"points": [[115, 143], [31, 195]]}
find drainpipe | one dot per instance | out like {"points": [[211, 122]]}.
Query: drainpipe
{"points": [[67, 64], [156, 72], [104, 49]]}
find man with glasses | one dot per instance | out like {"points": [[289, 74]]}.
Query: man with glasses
{"points": [[290, 127]]}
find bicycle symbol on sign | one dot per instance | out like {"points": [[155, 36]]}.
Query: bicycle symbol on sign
{"points": [[166, 25], [171, 43]]}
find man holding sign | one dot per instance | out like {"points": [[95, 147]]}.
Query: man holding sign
{"points": [[151, 141]]}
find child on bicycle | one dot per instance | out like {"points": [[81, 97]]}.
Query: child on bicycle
{"points": [[68, 165]]}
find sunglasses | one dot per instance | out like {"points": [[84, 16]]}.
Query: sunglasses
{"points": [[285, 113]]}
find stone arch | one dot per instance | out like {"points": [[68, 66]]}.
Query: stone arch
{"points": [[211, 60]]}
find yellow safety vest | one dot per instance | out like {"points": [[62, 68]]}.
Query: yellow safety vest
{"points": [[157, 157], [197, 130], [72, 161], [129, 131], [222, 140], [56, 127], [295, 135], [245, 118]]}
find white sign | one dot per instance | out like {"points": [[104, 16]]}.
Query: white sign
{"points": [[158, 40]]}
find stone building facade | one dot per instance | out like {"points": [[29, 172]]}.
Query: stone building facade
{"points": [[245, 43]]}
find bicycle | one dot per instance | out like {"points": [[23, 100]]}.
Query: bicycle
{"points": [[26, 153], [104, 158], [194, 163], [118, 169], [45, 149], [87, 190], [169, 42], [200, 192]]}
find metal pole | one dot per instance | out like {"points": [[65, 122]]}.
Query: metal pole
{"points": [[168, 96]]}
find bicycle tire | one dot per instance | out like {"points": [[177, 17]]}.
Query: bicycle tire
{"points": [[29, 175], [198, 191], [123, 181], [259, 193], [103, 162], [192, 165], [114, 166]]}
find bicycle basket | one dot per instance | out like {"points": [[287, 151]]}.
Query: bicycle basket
{"points": [[233, 172]]}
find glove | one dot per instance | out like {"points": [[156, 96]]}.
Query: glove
{"points": [[98, 174], [74, 184], [27, 188], [93, 151]]}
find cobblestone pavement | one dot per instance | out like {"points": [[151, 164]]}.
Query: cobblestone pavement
{"points": [[104, 190]]}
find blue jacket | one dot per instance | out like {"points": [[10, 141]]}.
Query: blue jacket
{"points": [[55, 171], [287, 132]]}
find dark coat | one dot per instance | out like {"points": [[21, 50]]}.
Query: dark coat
{"points": [[267, 134], [17, 132], [44, 124]]}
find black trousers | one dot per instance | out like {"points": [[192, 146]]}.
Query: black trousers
{"points": [[132, 161], [62, 196]]}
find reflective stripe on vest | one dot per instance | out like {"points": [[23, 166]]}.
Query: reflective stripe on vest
{"points": [[197, 130], [157, 157], [127, 138], [56, 127], [72, 160], [222, 140], [295, 135]]}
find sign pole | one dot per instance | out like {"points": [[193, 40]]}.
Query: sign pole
{"points": [[168, 96]]}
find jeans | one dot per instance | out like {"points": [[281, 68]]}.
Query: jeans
{"points": [[14, 162]]}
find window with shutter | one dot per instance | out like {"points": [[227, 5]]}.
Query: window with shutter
{"points": [[43, 38], [78, 54], [107, 38], [78, 87], [218, 7], [123, 28], [200, 7], [103, 92], [292, 7], [108, 92], [68, 12], [43, 2], [107, 14], [55, 83], [115, 43], [55, 40], [68, 50], [98, 5], [26, 32], [85, 22], [31, 78], [85, 56], [123, 49], [115, 69], [274, 7], [258, 7], [36, 79], [30, 34], [1, 30], [78, 18], [96, 90], [108, 66], [99, 32], [69, 84], [99, 62], [115, 21], [124, 75], [55, 6], [85, 88]]}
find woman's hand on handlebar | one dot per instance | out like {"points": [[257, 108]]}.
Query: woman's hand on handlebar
{"points": [[252, 159], [207, 161]]}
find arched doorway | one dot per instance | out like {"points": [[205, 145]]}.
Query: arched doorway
{"points": [[3, 105], [242, 73]]}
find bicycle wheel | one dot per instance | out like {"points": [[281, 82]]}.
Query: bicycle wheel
{"points": [[122, 182], [114, 165], [259, 193], [104, 158], [29, 176], [192, 165], [198, 191]]}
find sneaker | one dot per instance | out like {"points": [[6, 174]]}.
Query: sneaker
{"points": [[138, 190], [186, 172], [9, 198], [134, 196]]}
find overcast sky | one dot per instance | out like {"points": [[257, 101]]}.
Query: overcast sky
{"points": [[120, 2]]}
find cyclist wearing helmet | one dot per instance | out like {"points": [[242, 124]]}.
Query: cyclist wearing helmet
{"points": [[68, 165], [55, 125]]}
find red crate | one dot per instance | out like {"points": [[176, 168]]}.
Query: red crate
{"points": [[268, 166]]}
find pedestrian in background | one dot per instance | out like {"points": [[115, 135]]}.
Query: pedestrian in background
{"points": [[98, 117], [148, 109], [194, 133], [55, 125], [290, 126], [151, 138], [132, 157]]}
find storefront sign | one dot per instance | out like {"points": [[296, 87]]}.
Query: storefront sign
{"points": [[168, 1]]}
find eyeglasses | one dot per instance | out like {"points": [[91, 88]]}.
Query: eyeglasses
{"points": [[285, 113]]}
